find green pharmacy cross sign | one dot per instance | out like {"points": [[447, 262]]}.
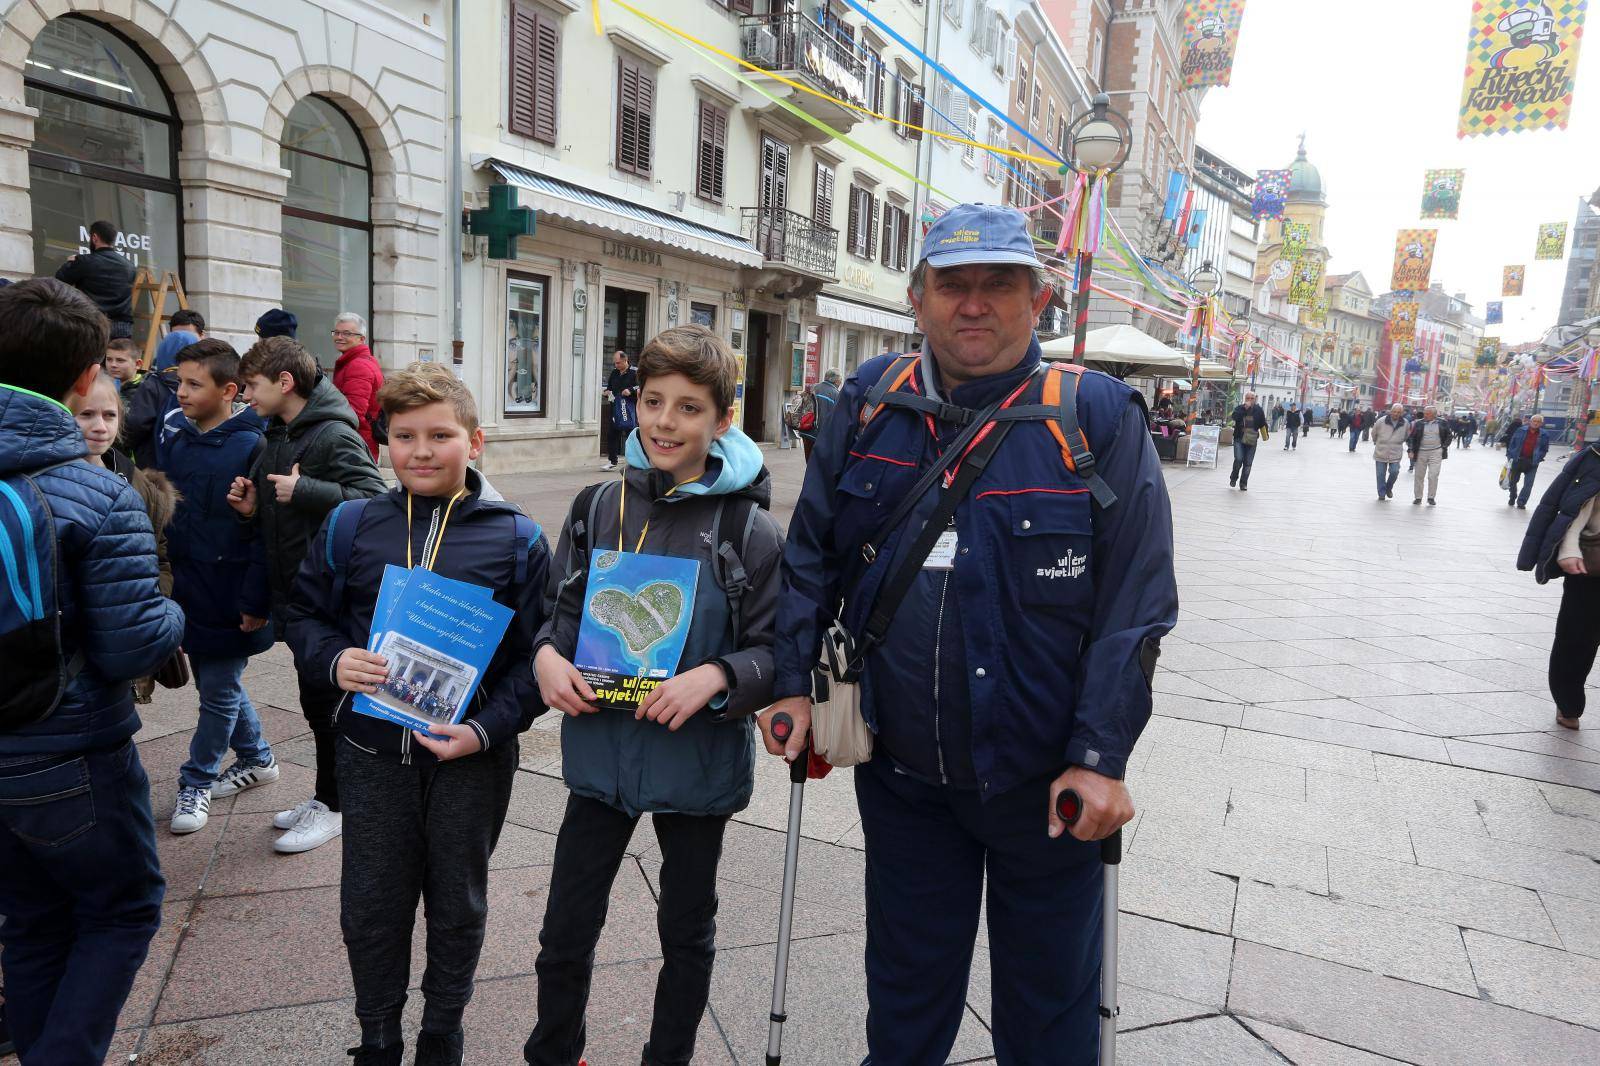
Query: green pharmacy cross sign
{"points": [[502, 222]]}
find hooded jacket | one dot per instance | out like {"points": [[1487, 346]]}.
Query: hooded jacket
{"points": [[1389, 439], [1576, 485], [477, 545], [111, 608], [335, 465], [106, 277], [358, 375], [219, 570], [154, 399], [707, 767]]}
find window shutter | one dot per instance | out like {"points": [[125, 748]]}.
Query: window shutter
{"points": [[916, 111], [523, 70], [627, 112], [646, 118], [822, 198], [852, 239], [547, 78], [872, 226], [709, 162], [743, 7], [905, 240]]}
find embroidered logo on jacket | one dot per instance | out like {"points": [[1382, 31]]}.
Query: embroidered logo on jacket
{"points": [[1069, 566]]}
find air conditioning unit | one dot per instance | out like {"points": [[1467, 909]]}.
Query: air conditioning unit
{"points": [[761, 46]]}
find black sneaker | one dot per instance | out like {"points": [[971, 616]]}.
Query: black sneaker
{"points": [[1417, 502], [366, 1055], [440, 1049], [1432, 502]]}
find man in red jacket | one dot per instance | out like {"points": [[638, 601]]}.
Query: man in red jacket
{"points": [[357, 373]]}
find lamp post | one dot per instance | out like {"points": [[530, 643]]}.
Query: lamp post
{"points": [[1101, 139], [1206, 280]]}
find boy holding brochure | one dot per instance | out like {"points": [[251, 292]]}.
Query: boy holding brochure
{"points": [[422, 809], [658, 647]]}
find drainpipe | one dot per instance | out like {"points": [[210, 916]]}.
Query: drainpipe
{"points": [[930, 47], [452, 215]]}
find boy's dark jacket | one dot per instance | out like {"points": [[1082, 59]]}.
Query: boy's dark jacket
{"points": [[707, 767], [219, 570], [1576, 484], [111, 609], [335, 465], [478, 547]]}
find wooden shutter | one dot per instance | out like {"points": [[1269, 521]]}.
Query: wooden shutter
{"points": [[905, 241], [916, 112], [872, 226], [547, 78], [774, 174], [743, 7], [822, 197], [711, 161], [852, 238], [636, 89], [535, 74]]}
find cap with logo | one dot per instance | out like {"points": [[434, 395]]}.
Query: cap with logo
{"points": [[277, 323], [979, 233]]}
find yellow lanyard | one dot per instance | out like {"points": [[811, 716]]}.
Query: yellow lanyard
{"points": [[622, 514], [428, 561]]}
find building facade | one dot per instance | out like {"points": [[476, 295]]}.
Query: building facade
{"points": [[1582, 286], [975, 40], [293, 161], [1230, 237], [1357, 334]]}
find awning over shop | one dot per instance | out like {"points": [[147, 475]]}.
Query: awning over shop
{"points": [[574, 202], [862, 315]]}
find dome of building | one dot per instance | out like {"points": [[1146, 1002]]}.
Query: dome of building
{"points": [[1305, 180]]}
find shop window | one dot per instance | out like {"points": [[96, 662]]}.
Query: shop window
{"points": [[526, 332], [105, 147], [703, 315], [327, 221]]}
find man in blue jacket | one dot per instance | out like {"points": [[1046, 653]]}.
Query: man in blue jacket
{"points": [[1525, 451], [1018, 664], [80, 886]]}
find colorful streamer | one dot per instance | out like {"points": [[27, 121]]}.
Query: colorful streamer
{"points": [[1522, 65], [1413, 259], [1441, 193], [1552, 242], [1511, 280], [1210, 39]]}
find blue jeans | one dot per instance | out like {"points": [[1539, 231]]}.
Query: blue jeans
{"points": [[1244, 457], [929, 850], [81, 892], [1526, 472], [227, 720], [1355, 437], [1388, 474]]}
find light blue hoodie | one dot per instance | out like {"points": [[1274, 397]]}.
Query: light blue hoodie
{"points": [[733, 463]]}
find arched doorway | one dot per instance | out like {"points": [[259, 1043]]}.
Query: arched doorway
{"points": [[327, 221], [105, 147]]}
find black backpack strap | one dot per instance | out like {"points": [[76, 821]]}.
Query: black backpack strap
{"points": [[343, 522], [1077, 444], [524, 532], [732, 575]]}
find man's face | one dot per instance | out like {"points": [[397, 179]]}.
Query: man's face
{"points": [[1429, 414], [978, 318], [619, 361], [1538, 420], [1397, 412], [1249, 399], [345, 336]]}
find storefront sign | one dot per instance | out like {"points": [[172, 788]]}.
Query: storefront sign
{"points": [[813, 357], [858, 277], [630, 254]]}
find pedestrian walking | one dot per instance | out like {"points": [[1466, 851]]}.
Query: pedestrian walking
{"points": [[1388, 442], [816, 405], [1291, 425], [105, 276], [1428, 443], [1249, 429], [1524, 452], [1563, 538], [1277, 416], [356, 373], [1358, 422], [980, 721], [621, 399]]}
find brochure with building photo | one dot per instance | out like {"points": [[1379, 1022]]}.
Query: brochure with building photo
{"points": [[636, 614], [438, 635]]}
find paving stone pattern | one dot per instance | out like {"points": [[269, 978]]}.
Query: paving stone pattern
{"points": [[1361, 840]]}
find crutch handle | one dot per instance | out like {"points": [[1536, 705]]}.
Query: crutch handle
{"points": [[782, 727], [1069, 807]]}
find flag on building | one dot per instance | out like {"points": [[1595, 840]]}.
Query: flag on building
{"points": [[1210, 38], [1522, 64], [1272, 189], [1511, 285], [1495, 314], [1306, 281], [1197, 225], [1176, 183], [1403, 321], [1296, 238], [1413, 259], [1552, 241], [1441, 193]]}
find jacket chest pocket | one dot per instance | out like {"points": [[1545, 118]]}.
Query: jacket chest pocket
{"points": [[870, 489], [1051, 533]]}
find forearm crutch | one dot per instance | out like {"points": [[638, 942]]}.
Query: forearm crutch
{"points": [[1069, 806], [782, 727]]}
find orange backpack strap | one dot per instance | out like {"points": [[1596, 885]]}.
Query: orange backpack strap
{"points": [[1060, 393], [894, 376]]}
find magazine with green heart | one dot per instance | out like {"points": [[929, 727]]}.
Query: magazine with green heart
{"points": [[636, 614]]}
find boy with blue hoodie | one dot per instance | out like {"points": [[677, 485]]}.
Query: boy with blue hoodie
{"points": [[219, 576], [80, 885], [694, 488]]}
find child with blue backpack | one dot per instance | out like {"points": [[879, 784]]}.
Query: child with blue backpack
{"points": [[81, 617], [219, 577]]}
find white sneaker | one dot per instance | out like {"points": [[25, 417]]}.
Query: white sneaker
{"points": [[318, 826], [192, 810], [242, 775], [608, 466], [287, 819]]}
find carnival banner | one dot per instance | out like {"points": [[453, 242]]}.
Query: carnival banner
{"points": [[1413, 259], [1403, 322], [1552, 241], [1441, 193], [1272, 188], [1306, 281], [1495, 314], [1319, 312], [1488, 351], [1522, 64], [1296, 238], [1210, 37], [1511, 285]]}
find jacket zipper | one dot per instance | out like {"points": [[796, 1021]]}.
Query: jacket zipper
{"points": [[938, 661]]}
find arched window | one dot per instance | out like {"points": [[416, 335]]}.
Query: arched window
{"points": [[105, 146], [327, 222]]}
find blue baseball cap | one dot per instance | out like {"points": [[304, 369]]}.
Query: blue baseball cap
{"points": [[979, 233], [277, 323]]}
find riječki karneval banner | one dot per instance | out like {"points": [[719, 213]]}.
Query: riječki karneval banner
{"points": [[1210, 37], [1522, 64], [1552, 242], [1441, 193], [1511, 285], [1413, 259]]}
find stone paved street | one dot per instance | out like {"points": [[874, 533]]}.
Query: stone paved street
{"points": [[1361, 839]]}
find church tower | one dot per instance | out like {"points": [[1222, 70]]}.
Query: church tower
{"points": [[1307, 204]]}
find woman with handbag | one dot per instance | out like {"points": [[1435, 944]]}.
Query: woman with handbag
{"points": [[1564, 537]]}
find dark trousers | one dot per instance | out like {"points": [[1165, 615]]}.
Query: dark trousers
{"points": [[1577, 637], [409, 832], [594, 838], [616, 439], [1525, 471], [1244, 457], [1291, 438], [929, 850], [81, 890], [318, 702]]}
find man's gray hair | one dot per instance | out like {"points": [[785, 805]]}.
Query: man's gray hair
{"points": [[351, 316], [1038, 280], [833, 376]]}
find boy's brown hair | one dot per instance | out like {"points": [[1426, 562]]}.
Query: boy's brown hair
{"points": [[420, 384], [696, 353], [124, 344], [217, 356], [272, 356]]}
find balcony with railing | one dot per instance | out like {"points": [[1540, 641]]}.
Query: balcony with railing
{"points": [[796, 47], [794, 245]]}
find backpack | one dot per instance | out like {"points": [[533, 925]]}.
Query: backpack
{"points": [[32, 659]]}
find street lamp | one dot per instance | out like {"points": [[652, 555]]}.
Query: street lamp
{"points": [[1100, 139], [1206, 280]]}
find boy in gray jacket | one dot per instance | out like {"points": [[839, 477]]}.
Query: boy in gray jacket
{"points": [[694, 488]]}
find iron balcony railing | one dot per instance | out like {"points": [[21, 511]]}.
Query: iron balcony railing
{"points": [[786, 237], [794, 42]]}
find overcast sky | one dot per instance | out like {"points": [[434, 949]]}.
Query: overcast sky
{"points": [[1376, 87]]}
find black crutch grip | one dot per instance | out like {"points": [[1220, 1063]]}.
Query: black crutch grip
{"points": [[1069, 807], [782, 726]]}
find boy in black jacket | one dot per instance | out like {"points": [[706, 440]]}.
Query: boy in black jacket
{"points": [[421, 815], [313, 460]]}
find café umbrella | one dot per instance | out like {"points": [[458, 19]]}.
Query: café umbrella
{"points": [[1124, 352]]}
